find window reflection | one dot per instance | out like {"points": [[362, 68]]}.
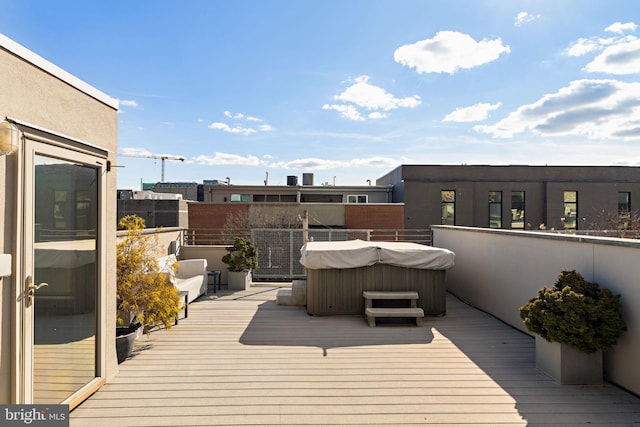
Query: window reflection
{"points": [[65, 253]]}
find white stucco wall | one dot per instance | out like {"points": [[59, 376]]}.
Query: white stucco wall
{"points": [[500, 270]]}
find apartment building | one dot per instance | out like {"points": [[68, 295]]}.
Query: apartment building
{"points": [[512, 197]]}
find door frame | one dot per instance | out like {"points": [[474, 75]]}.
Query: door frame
{"points": [[36, 140]]}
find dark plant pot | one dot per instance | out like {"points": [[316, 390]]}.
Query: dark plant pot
{"points": [[125, 338]]}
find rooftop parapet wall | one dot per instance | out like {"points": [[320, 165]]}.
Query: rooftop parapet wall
{"points": [[500, 270]]}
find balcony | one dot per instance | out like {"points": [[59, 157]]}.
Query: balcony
{"points": [[240, 359]]}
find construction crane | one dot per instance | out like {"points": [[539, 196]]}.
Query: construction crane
{"points": [[163, 157]]}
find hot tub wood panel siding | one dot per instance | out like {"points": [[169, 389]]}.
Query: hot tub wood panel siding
{"points": [[339, 291]]}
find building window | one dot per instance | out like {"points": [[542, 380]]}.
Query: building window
{"points": [[570, 210], [495, 209], [624, 202], [357, 198], [624, 210], [244, 198], [517, 210], [448, 207]]}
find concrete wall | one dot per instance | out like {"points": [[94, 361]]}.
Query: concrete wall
{"points": [[32, 90], [499, 270], [163, 238], [212, 253]]}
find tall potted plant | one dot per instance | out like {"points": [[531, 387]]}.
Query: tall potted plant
{"points": [[574, 322], [241, 258], [145, 295]]}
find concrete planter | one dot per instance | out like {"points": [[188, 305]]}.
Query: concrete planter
{"points": [[568, 365], [239, 280]]}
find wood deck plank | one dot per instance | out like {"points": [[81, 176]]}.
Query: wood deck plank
{"points": [[239, 359]]}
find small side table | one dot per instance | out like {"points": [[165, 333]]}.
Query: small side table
{"points": [[216, 274], [184, 294]]}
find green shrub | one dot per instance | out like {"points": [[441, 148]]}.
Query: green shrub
{"points": [[242, 256], [576, 312]]}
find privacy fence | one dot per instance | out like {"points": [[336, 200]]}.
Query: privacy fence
{"points": [[279, 249]]}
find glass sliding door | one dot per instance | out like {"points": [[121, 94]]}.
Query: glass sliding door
{"points": [[61, 315]]}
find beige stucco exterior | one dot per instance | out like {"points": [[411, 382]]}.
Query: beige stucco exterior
{"points": [[44, 100]]}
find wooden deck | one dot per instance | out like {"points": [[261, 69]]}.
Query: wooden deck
{"points": [[239, 359]]}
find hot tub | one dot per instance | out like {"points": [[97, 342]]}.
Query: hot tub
{"points": [[338, 273]]}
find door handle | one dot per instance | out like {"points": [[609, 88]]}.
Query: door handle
{"points": [[31, 290]]}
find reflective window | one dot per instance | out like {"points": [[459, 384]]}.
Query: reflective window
{"points": [[570, 210], [517, 210], [448, 207], [624, 210], [624, 202], [495, 209], [65, 273], [357, 198], [245, 198]]}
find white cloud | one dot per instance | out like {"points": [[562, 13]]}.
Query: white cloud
{"points": [[135, 151], [376, 115], [622, 58], [583, 46], [227, 159], [448, 52], [324, 164], [233, 116], [619, 27], [366, 95], [523, 18], [239, 128], [474, 113], [376, 162], [597, 109], [362, 94], [620, 54], [128, 103], [347, 111], [311, 164]]}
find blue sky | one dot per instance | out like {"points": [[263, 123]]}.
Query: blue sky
{"points": [[348, 90]]}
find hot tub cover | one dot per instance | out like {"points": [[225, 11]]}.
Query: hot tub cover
{"points": [[360, 253]]}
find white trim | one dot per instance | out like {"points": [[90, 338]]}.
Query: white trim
{"points": [[38, 61]]}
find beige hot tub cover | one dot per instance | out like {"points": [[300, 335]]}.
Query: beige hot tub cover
{"points": [[360, 253]]}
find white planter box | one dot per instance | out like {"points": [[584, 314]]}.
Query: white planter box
{"points": [[239, 280], [568, 365]]}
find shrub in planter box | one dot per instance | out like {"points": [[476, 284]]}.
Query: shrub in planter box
{"points": [[579, 314], [576, 312], [241, 258]]}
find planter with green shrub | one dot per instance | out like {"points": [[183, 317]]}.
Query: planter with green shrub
{"points": [[241, 258], [574, 317]]}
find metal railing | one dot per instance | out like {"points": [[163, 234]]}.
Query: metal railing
{"points": [[225, 236], [279, 249]]}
